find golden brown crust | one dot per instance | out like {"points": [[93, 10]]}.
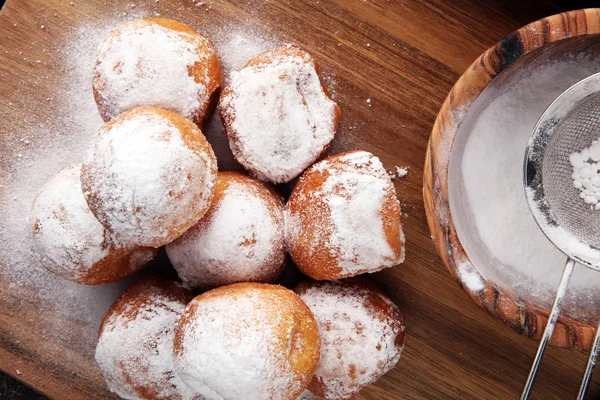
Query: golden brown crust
{"points": [[302, 350], [129, 302], [264, 58], [307, 205], [117, 265], [209, 74]]}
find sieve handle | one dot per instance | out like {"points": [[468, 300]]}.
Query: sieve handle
{"points": [[589, 369], [552, 318]]}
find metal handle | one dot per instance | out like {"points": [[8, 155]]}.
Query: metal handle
{"points": [[589, 369], [553, 317]]}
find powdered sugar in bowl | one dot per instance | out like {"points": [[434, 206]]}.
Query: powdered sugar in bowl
{"points": [[474, 196]]}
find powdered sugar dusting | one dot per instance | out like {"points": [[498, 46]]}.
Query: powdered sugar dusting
{"points": [[355, 197], [277, 117], [470, 277], [241, 239], [143, 63], [235, 336], [138, 353], [236, 46], [508, 246], [68, 238], [145, 179], [50, 126], [357, 345]]}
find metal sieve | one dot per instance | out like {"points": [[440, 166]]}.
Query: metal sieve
{"points": [[569, 124]]}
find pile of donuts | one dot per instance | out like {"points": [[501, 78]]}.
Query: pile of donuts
{"points": [[149, 179]]}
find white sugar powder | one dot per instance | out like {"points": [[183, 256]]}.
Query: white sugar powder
{"points": [[236, 46], [50, 135], [586, 173], [357, 345], [240, 240], [401, 172], [492, 170], [355, 197], [68, 237], [280, 120]]}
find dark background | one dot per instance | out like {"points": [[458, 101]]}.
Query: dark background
{"points": [[13, 389]]}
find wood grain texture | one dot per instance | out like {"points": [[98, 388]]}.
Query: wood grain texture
{"points": [[416, 51], [526, 318]]}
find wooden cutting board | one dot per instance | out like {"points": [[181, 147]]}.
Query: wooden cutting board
{"points": [[402, 55]]}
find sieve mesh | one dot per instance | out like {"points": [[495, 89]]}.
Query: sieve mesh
{"points": [[575, 131]]}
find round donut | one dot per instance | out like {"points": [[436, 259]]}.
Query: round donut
{"points": [[135, 342], [69, 242], [362, 335], [239, 239], [156, 62], [247, 341], [148, 176], [278, 117], [343, 218]]}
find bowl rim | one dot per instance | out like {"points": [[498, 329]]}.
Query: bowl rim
{"points": [[526, 318]]}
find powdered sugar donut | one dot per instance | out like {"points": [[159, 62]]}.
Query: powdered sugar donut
{"points": [[343, 218], [278, 117], [239, 239], [135, 342], [362, 335], [71, 243], [247, 341], [148, 176], [156, 62]]}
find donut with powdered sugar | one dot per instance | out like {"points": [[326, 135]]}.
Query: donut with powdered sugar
{"points": [[239, 239], [148, 176], [156, 62], [278, 116], [362, 335], [343, 218], [247, 341], [68, 240]]}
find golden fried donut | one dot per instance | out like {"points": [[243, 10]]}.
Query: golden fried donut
{"points": [[278, 117], [247, 341], [69, 242], [239, 239], [148, 176], [135, 342], [156, 62], [362, 335], [343, 218]]}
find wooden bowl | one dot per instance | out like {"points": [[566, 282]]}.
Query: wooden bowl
{"points": [[572, 32]]}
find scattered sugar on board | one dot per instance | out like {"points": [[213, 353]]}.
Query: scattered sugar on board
{"points": [[146, 342], [401, 172], [50, 135], [492, 169]]}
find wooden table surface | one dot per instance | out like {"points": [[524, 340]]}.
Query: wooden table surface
{"points": [[404, 55]]}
